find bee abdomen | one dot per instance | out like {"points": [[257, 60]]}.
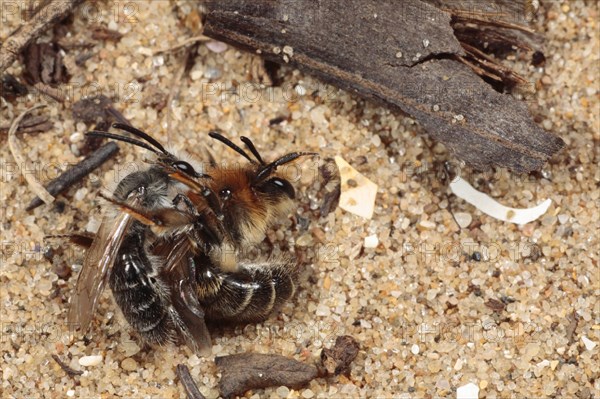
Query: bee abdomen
{"points": [[249, 294], [141, 295]]}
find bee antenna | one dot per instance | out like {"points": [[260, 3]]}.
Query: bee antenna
{"points": [[97, 133], [252, 149], [266, 170], [230, 144], [140, 134]]}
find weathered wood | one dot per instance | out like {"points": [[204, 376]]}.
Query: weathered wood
{"points": [[401, 53]]}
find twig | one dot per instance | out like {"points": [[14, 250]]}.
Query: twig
{"points": [[40, 22], [65, 367], [187, 42], [77, 172], [15, 149], [29, 125], [188, 382], [50, 92]]}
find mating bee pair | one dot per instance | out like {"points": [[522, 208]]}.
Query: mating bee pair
{"points": [[164, 251]]}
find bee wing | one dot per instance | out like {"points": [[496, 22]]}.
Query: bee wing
{"points": [[98, 260], [179, 273]]}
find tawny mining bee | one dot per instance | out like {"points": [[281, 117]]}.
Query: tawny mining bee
{"points": [[162, 251]]}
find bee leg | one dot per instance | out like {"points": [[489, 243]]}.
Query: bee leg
{"points": [[82, 239], [189, 315], [249, 294]]}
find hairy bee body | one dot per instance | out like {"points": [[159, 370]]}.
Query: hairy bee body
{"points": [[163, 253], [247, 295]]}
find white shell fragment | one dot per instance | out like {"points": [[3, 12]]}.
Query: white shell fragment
{"points": [[469, 391], [371, 241], [88, 361], [216, 46], [589, 344], [491, 207], [357, 192]]}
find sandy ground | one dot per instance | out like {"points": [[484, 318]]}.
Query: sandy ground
{"points": [[521, 322]]}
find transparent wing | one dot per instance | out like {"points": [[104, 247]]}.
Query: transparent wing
{"points": [[99, 258]]}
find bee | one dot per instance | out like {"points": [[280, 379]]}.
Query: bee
{"points": [[162, 252]]}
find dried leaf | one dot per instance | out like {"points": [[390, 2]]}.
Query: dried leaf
{"points": [[246, 371], [103, 33], [338, 359], [92, 110], [495, 305]]}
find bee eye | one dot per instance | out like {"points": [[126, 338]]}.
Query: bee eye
{"points": [[225, 194], [278, 182], [278, 186], [185, 168]]}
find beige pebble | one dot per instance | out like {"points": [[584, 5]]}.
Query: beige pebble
{"points": [[89, 361], [129, 364]]}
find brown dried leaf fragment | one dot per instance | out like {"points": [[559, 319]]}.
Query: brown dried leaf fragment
{"points": [[103, 33], [337, 360], [246, 371], [191, 389], [495, 305], [331, 186], [92, 110]]}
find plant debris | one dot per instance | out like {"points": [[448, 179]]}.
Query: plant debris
{"points": [[70, 371], [188, 383], [31, 124], [75, 173], [17, 153], [44, 63], [92, 110], [246, 371], [357, 192], [331, 186], [417, 65], [495, 305], [11, 88], [44, 18], [493, 208], [103, 33], [337, 360]]}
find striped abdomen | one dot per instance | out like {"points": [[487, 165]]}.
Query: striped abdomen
{"points": [[248, 295], [141, 295]]}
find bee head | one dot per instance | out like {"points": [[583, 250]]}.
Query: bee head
{"points": [[253, 197]]}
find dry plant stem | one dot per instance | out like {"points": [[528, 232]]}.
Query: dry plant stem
{"points": [[187, 42], [191, 390], [15, 150], [65, 367], [51, 92], [76, 173], [39, 23]]}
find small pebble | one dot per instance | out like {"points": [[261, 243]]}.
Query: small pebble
{"points": [[414, 349], [88, 361], [463, 219], [216, 46], [129, 364], [469, 391], [307, 393], [283, 391], [323, 310], [371, 241]]}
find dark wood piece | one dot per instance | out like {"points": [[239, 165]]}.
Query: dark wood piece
{"points": [[245, 371], [402, 53], [77, 172]]}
